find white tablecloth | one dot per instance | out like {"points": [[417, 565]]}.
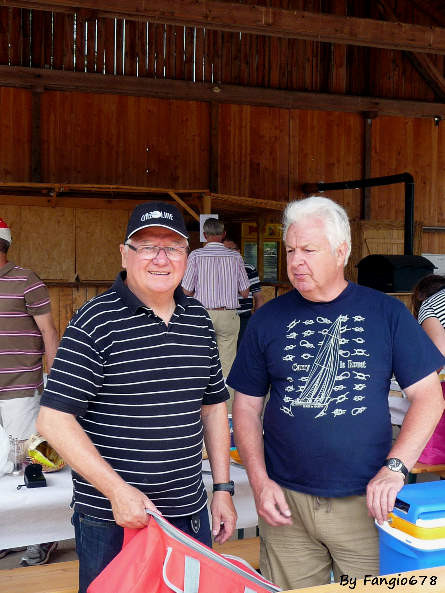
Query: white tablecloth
{"points": [[36, 515]]}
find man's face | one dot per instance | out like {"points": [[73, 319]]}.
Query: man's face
{"points": [[313, 268], [160, 274]]}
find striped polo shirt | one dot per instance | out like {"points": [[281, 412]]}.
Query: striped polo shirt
{"points": [[22, 296], [137, 387], [433, 306], [246, 305], [215, 274]]}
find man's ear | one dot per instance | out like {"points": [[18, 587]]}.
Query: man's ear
{"points": [[342, 250], [123, 250]]}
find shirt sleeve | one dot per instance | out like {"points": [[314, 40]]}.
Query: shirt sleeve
{"points": [[426, 310], [189, 279], [249, 373], [76, 375], [243, 280], [254, 280], [216, 391], [414, 354], [36, 295]]}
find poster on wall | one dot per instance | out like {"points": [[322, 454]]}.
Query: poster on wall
{"points": [[202, 219]]}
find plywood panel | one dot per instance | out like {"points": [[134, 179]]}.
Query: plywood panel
{"points": [[15, 134], [98, 235], [47, 241], [254, 151]]}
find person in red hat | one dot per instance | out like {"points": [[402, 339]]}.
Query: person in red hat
{"points": [[27, 332]]}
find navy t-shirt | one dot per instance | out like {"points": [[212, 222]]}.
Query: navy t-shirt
{"points": [[327, 426]]}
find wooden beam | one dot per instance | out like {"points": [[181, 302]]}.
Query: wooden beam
{"points": [[421, 62], [250, 202], [57, 80], [184, 205], [258, 20]]}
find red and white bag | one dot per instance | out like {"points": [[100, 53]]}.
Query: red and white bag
{"points": [[163, 559]]}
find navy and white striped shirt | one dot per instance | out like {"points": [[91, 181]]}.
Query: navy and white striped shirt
{"points": [[137, 388], [433, 306]]}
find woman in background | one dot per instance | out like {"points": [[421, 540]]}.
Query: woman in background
{"points": [[428, 303]]}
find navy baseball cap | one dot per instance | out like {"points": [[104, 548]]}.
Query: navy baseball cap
{"points": [[156, 214]]}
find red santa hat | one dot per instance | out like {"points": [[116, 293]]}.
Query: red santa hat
{"points": [[5, 232]]}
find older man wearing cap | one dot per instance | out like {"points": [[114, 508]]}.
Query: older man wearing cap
{"points": [[135, 386], [26, 333]]}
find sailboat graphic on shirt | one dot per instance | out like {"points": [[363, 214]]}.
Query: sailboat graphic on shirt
{"points": [[317, 391]]}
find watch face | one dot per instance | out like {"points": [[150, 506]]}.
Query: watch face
{"points": [[394, 464]]}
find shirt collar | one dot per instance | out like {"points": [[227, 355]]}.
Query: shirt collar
{"points": [[6, 268], [132, 301]]}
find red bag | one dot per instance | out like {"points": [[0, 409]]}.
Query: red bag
{"points": [[434, 452], [161, 558]]}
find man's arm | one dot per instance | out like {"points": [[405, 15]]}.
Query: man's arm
{"points": [[258, 300], [188, 292], [426, 408], [46, 326], [69, 439], [217, 442], [248, 431]]}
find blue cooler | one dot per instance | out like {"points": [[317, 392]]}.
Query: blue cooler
{"points": [[414, 537]]}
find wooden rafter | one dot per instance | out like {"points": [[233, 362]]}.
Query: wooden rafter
{"points": [[248, 202], [57, 80], [421, 62], [260, 20]]}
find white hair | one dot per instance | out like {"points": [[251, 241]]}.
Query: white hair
{"points": [[333, 216]]}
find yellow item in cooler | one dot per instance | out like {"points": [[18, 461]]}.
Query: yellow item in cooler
{"points": [[415, 530]]}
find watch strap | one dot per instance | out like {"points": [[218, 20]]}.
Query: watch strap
{"points": [[225, 487]]}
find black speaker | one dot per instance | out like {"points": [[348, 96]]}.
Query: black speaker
{"points": [[393, 273], [34, 477]]}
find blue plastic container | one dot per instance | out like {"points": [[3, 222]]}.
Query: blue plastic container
{"points": [[419, 515]]}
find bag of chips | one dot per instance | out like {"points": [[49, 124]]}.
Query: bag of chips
{"points": [[40, 451]]}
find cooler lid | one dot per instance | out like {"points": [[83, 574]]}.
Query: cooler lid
{"points": [[422, 503]]}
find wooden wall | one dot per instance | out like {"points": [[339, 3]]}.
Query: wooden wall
{"points": [[111, 139], [260, 152]]}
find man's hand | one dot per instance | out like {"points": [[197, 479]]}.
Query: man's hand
{"points": [[381, 493], [271, 504], [223, 516], [129, 504]]}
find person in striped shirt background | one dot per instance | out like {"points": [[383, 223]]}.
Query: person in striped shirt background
{"points": [[216, 276], [27, 332], [135, 386], [254, 301]]}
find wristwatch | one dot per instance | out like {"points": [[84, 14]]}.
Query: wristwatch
{"points": [[396, 465], [225, 487]]}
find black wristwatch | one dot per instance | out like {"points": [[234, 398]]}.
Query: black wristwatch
{"points": [[225, 487], [396, 465]]}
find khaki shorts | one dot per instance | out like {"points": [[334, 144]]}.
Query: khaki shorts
{"points": [[327, 534]]}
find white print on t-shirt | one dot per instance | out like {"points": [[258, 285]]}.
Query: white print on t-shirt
{"points": [[331, 377]]}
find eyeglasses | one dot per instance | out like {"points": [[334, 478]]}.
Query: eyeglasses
{"points": [[152, 251]]}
